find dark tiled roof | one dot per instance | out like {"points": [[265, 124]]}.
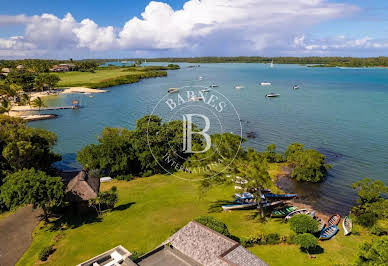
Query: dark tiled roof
{"points": [[208, 247]]}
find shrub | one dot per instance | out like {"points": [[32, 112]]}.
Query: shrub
{"points": [[45, 253], [378, 230], [374, 253], [367, 219], [306, 241], [214, 224], [125, 177], [272, 238], [302, 223]]}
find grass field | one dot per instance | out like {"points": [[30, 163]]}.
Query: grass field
{"points": [[151, 209], [107, 77]]}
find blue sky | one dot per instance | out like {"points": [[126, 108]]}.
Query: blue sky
{"points": [[193, 28]]}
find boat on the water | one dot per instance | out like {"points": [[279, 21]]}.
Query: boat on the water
{"points": [[200, 78], [334, 220], [347, 224], [295, 87], [328, 232], [213, 86], [271, 65], [272, 94], [265, 83], [279, 196], [205, 90], [321, 224], [301, 211], [239, 87], [173, 90], [195, 99], [283, 211]]}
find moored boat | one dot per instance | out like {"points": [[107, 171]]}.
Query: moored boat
{"points": [[295, 87], [334, 220], [173, 90], [239, 87], [213, 86], [328, 232], [272, 94], [237, 206], [347, 224], [301, 211], [283, 211], [279, 196], [265, 83]]}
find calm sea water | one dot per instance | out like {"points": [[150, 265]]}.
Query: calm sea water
{"points": [[341, 112]]}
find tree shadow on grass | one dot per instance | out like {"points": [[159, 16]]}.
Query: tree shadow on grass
{"points": [[71, 220], [314, 251], [216, 206], [123, 207]]}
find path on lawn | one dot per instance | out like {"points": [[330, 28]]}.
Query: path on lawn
{"points": [[16, 234]]}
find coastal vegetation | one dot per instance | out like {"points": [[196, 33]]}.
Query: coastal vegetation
{"points": [[309, 60], [302, 223]]}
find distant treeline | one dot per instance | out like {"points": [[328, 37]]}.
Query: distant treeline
{"points": [[313, 60]]}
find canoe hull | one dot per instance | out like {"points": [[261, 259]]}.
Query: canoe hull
{"points": [[328, 232], [347, 225], [302, 211], [238, 206]]}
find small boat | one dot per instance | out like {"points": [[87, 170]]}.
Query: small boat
{"points": [[295, 87], [245, 195], [213, 86], [266, 204], [173, 90], [239, 204], [271, 65], [312, 214], [272, 94], [91, 96], [347, 224], [334, 220], [195, 99], [200, 78], [265, 83], [283, 211], [205, 90], [321, 224], [239, 87], [279, 196], [328, 232], [291, 214]]}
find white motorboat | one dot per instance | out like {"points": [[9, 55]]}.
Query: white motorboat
{"points": [[265, 83], [272, 94]]}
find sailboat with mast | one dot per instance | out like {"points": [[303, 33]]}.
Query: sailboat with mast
{"points": [[271, 65]]}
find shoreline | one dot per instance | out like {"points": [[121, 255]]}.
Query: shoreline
{"points": [[299, 202], [26, 111]]}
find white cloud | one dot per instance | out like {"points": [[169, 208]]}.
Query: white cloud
{"points": [[218, 27]]}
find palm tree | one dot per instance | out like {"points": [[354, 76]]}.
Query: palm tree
{"points": [[6, 106], [26, 99], [8, 90], [38, 102]]}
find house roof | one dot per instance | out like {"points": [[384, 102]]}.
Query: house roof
{"points": [[83, 187], [209, 247], [5, 70]]}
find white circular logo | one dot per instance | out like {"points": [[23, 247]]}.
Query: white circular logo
{"points": [[201, 131]]}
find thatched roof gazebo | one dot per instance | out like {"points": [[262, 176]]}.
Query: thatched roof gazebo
{"points": [[83, 187]]}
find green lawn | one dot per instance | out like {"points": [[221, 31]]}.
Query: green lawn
{"points": [[107, 77], [151, 209]]}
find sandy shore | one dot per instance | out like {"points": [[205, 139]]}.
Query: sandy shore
{"points": [[25, 111]]}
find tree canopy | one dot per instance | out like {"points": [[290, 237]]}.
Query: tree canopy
{"points": [[25, 147], [29, 186], [374, 253], [302, 223], [307, 165]]}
